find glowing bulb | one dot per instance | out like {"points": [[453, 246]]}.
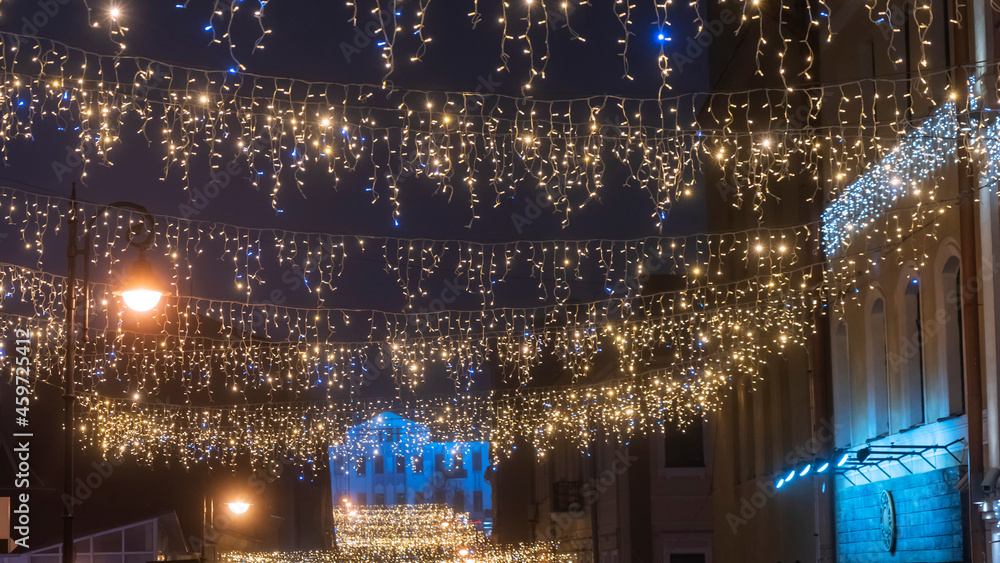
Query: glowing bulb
{"points": [[238, 507], [141, 300]]}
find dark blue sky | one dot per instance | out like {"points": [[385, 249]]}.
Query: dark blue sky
{"points": [[308, 42]]}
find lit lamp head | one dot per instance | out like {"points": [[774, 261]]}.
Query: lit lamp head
{"points": [[142, 290], [238, 507]]}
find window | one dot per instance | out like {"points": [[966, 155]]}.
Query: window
{"points": [[379, 465], [400, 498], [418, 464], [477, 461], [878, 385], [362, 499], [338, 469], [379, 499], [439, 463], [840, 360], [108, 543], [684, 448], [458, 501], [567, 496], [456, 462], [954, 367], [418, 497], [362, 466], [439, 497], [400, 464], [687, 558], [912, 357], [477, 501]]}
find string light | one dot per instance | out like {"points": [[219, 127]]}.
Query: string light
{"points": [[302, 432], [318, 259], [723, 328], [273, 125], [425, 532]]}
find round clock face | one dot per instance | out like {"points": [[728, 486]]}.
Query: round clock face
{"points": [[888, 512]]}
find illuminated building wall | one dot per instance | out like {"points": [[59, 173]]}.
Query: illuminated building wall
{"points": [[390, 461], [897, 374]]}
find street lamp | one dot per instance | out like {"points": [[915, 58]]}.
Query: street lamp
{"points": [[237, 507], [140, 236], [142, 289]]}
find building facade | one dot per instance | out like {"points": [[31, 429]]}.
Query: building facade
{"points": [[390, 460], [897, 341]]}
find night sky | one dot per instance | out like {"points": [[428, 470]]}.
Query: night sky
{"points": [[309, 41]]}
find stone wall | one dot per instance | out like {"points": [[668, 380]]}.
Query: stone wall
{"points": [[928, 519]]}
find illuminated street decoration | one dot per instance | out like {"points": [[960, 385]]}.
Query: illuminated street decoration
{"points": [[270, 125], [317, 259], [301, 432], [743, 297], [723, 329], [904, 177]]}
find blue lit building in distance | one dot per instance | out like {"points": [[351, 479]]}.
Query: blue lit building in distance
{"points": [[390, 460]]}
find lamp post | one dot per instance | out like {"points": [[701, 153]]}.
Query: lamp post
{"points": [[236, 507], [142, 294]]}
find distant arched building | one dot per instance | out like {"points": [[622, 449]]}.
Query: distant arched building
{"points": [[390, 460]]}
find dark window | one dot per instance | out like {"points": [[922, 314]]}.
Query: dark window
{"points": [[566, 496], [418, 497], [418, 464], [687, 558], [477, 501], [362, 466], [379, 499], [953, 336], [379, 465], [439, 462], [477, 461], [456, 462], [400, 464], [400, 498], [362, 499], [439, 497], [338, 468], [684, 448], [458, 501]]}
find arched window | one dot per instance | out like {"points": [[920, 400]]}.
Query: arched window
{"points": [[878, 382], [842, 411], [953, 367], [911, 351]]}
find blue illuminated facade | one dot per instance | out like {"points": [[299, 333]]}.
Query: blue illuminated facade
{"points": [[390, 460]]}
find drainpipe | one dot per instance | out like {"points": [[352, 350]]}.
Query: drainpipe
{"points": [[970, 280]]}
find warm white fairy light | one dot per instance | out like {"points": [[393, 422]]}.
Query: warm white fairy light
{"points": [[421, 533], [276, 124], [742, 318], [479, 268], [302, 432]]}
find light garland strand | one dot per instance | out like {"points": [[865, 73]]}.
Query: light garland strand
{"points": [[318, 259], [745, 319], [278, 128], [424, 533], [302, 432]]}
